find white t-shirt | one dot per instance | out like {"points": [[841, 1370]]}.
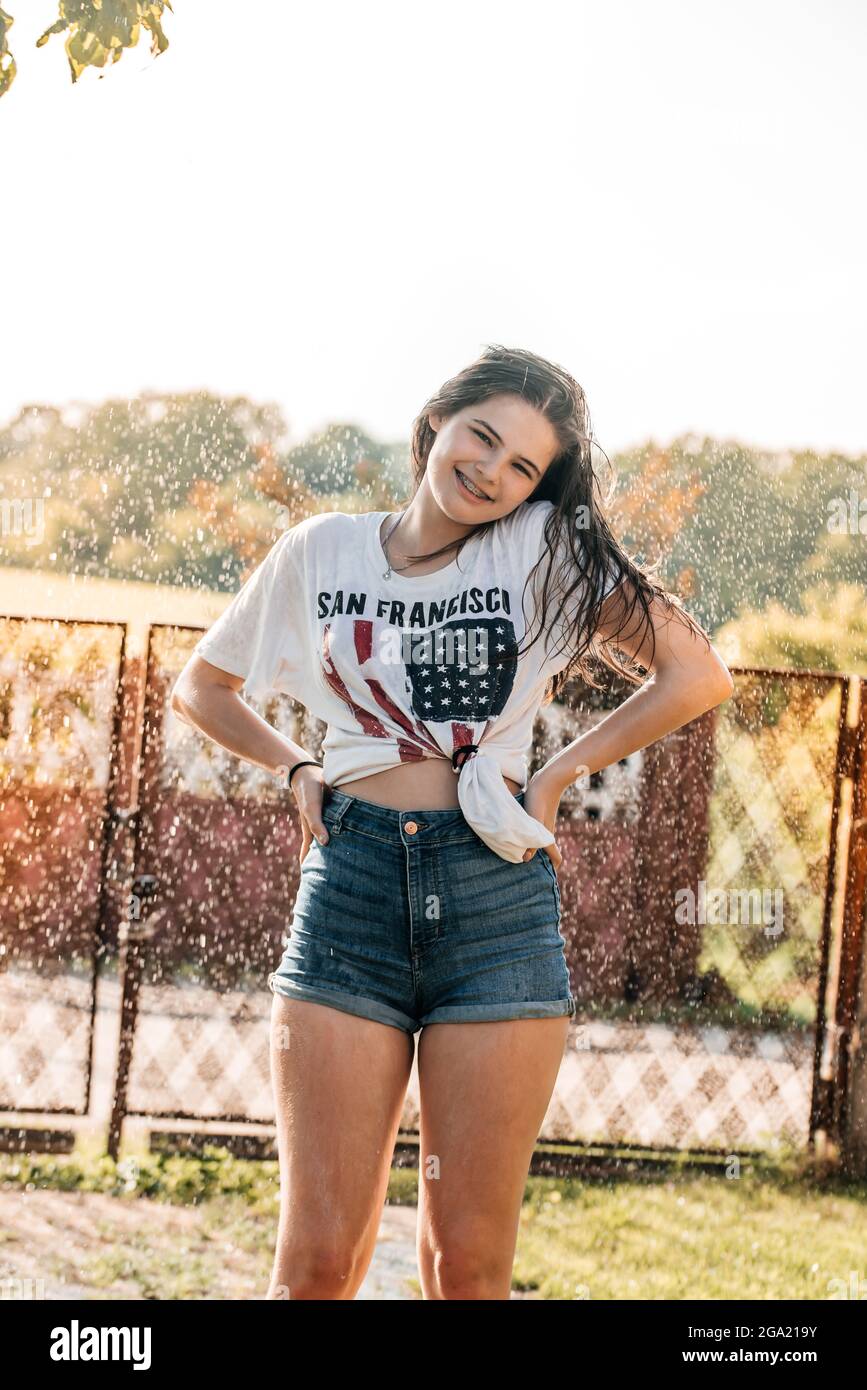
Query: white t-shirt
{"points": [[399, 668]]}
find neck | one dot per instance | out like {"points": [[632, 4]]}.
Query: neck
{"points": [[425, 527]]}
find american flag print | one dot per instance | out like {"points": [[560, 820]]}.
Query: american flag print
{"points": [[457, 682], [461, 682]]}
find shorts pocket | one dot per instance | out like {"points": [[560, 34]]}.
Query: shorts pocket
{"points": [[548, 862], [552, 878]]}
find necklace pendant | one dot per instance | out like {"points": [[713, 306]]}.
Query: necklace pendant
{"points": [[391, 530]]}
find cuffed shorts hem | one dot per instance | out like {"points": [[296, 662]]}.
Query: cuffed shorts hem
{"points": [[492, 1013], [378, 1012], [347, 1003]]}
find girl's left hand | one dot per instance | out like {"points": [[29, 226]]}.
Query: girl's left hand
{"points": [[542, 802]]}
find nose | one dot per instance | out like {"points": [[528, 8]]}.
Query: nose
{"points": [[487, 476]]}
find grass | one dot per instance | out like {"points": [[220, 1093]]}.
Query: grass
{"points": [[776, 1232], [696, 1237]]}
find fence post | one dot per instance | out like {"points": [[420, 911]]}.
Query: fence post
{"points": [[850, 1099], [133, 937]]}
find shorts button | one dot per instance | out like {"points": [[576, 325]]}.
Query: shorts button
{"points": [[410, 827]]}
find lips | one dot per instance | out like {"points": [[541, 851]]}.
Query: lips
{"points": [[465, 490]]}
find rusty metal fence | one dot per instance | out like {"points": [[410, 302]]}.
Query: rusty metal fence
{"points": [[712, 894], [61, 754], [703, 905]]}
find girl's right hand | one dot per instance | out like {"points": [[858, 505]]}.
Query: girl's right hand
{"points": [[308, 787]]}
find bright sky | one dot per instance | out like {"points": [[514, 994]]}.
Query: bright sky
{"points": [[334, 207]]}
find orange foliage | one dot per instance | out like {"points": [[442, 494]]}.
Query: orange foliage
{"points": [[653, 511], [242, 534]]}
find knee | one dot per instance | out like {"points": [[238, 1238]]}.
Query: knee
{"points": [[461, 1273], [313, 1273]]}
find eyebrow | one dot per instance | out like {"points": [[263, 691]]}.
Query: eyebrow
{"points": [[497, 437]]}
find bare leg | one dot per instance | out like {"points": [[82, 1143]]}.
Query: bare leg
{"points": [[339, 1086], [484, 1089]]}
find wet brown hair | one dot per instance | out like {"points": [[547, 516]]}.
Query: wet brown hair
{"points": [[571, 484]]}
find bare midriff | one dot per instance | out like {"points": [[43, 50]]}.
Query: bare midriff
{"points": [[430, 785]]}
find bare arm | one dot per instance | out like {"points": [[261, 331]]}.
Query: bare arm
{"points": [[208, 698], [686, 680]]}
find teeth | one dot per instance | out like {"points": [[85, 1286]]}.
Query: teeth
{"points": [[472, 489]]}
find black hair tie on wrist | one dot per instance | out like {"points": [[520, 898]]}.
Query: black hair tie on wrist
{"points": [[305, 762], [462, 753]]}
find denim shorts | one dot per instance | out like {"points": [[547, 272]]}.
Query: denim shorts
{"points": [[409, 918]]}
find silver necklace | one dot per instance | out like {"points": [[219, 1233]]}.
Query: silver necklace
{"points": [[391, 530], [397, 569]]}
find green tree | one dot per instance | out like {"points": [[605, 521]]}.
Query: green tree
{"points": [[97, 32], [115, 480], [761, 533], [830, 634]]}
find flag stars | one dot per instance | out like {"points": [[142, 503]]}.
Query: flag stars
{"points": [[442, 684]]}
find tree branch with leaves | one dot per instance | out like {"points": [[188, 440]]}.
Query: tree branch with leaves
{"points": [[97, 32]]}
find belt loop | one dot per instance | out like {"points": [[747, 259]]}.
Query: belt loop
{"points": [[338, 815]]}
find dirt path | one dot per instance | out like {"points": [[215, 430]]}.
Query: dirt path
{"points": [[86, 1245]]}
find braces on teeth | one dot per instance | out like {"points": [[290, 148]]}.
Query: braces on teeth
{"points": [[472, 488]]}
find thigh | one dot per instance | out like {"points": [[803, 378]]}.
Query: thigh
{"points": [[339, 1086], [484, 1090]]}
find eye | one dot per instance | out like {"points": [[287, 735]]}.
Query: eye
{"points": [[523, 467]]}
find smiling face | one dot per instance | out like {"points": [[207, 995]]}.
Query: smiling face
{"points": [[502, 445]]}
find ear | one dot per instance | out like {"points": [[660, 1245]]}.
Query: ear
{"points": [[435, 420]]}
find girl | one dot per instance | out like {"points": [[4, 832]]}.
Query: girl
{"points": [[428, 897]]}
